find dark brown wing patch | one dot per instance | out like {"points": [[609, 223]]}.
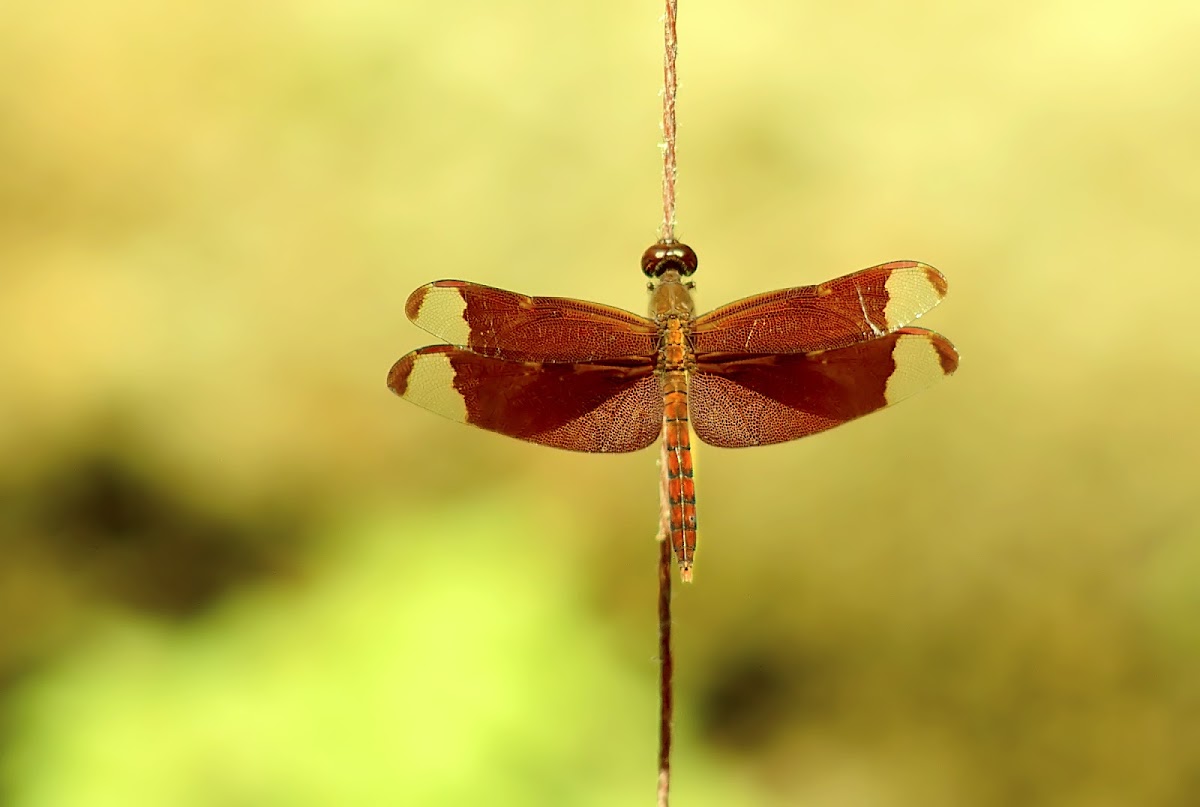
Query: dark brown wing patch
{"points": [[599, 408], [742, 400], [503, 324], [855, 308]]}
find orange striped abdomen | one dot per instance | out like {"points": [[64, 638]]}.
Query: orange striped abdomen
{"points": [[680, 488]]}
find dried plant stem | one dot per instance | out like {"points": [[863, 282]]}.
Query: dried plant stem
{"points": [[670, 84], [666, 671], [666, 235]]}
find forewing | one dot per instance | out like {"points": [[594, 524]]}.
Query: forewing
{"points": [[600, 408], [738, 400], [855, 308], [503, 324]]}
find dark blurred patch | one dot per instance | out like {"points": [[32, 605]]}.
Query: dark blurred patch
{"points": [[94, 528], [754, 693], [134, 540]]}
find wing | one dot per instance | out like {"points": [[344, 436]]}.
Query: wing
{"points": [[739, 400], [580, 407], [861, 306], [498, 323]]}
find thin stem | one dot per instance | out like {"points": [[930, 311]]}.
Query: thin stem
{"points": [[666, 670], [667, 235], [670, 84]]}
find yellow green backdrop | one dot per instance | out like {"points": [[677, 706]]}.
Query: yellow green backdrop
{"points": [[235, 570]]}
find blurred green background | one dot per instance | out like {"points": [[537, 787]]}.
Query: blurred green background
{"points": [[235, 570]]}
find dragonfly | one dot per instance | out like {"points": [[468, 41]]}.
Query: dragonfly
{"points": [[766, 369]]}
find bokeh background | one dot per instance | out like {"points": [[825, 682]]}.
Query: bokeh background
{"points": [[234, 570]]}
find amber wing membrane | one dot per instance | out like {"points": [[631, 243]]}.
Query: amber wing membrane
{"points": [[503, 324], [742, 400], [854, 308], [598, 408]]}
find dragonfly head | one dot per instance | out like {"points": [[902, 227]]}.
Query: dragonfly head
{"points": [[667, 256]]}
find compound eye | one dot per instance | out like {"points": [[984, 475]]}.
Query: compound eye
{"points": [[666, 255]]}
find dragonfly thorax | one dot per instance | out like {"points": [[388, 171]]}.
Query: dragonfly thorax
{"points": [[671, 296]]}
